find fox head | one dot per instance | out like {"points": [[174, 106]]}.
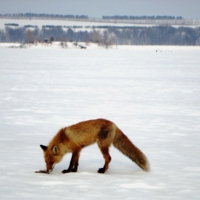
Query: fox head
{"points": [[51, 156]]}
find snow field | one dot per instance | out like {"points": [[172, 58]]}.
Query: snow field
{"points": [[151, 93]]}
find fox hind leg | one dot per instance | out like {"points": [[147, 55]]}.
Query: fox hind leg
{"points": [[107, 157], [105, 138]]}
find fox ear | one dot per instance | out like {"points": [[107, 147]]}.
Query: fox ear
{"points": [[54, 149], [44, 148]]}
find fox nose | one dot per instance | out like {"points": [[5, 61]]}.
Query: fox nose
{"points": [[50, 170]]}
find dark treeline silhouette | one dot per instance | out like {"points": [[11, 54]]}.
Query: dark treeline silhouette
{"points": [[69, 16], [108, 35], [126, 17], [43, 15]]}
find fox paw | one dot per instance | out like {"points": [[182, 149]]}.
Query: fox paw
{"points": [[74, 170], [101, 170], [65, 171]]}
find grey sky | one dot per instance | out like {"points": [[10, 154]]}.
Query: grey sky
{"points": [[189, 9]]}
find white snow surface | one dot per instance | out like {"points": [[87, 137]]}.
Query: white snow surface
{"points": [[153, 96], [59, 22]]}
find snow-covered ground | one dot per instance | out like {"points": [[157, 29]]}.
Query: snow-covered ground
{"points": [[151, 93], [64, 22], [92, 22]]}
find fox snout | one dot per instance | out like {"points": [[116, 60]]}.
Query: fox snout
{"points": [[50, 167]]}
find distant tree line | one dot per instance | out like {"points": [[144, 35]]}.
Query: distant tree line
{"points": [[126, 17], [69, 16], [11, 24], [105, 35], [43, 15]]}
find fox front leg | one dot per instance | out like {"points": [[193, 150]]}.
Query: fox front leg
{"points": [[73, 166]]}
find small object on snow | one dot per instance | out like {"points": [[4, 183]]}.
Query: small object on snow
{"points": [[43, 171], [82, 47]]}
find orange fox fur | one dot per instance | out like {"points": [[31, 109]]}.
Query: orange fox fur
{"points": [[73, 138]]}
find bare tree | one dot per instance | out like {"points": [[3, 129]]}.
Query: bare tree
{"points": [[63, 43], [29, 36], [96, 36]]}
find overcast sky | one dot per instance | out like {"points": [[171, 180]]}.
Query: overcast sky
{"points": [[189, 9]]}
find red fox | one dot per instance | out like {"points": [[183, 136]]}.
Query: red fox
{"points": [[73, 138]]}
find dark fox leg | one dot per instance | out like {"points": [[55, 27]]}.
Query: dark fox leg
{"points": [[73, 166], [107, 157]]}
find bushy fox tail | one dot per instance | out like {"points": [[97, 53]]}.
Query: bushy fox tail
{"points": [[122, 143]]}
